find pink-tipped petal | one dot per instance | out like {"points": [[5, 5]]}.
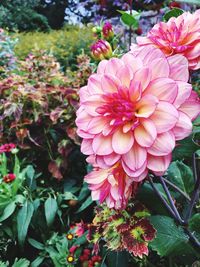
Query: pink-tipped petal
{"points": [[183, 127], [158, 164], [165, 117], [122, 142], [143, 76], [146, 106], [102, 145], [145, 134], [135, 158], [164, 89], [163, 145]]}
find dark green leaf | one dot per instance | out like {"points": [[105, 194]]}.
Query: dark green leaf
{"points": [[23, 221], [8, 211], [175, 12], [21, 263], [194, 223], [184, 149], [170, 239], [36, 244], [182, 176], [37, 261], [117, 259], [51, 208], [30, 177], [85, 204]]}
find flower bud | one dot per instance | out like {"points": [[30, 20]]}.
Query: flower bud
{"points": [[101, 50], [9, 178], [107, 31]]}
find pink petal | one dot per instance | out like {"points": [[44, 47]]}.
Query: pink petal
{"points": [[184, 91], [92, 103], [135, 90], [97, 124], [111, 159], [109, 83], [159, 68], [132, 173], [183, 127], [100, 162], [164, 117], [191, 106], [102, 145], [135, 158], [102, 66], [83, 94], [84, 134], [158, 164], [86, 147], [113, 65], [94, 84], [140, 177], [144, 76], [133, 62], [96, 177], [122, 142], [178, 68], [163, 145], [125, 75], [83, 119], [145, 134], [146, 106], [163, 88]]}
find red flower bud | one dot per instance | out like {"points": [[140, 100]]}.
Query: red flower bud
{"points": [[9, 178]]}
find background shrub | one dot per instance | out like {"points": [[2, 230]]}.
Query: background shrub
{"points": [[64, 44]]}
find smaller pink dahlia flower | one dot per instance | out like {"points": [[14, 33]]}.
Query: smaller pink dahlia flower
{"points": [[111, 185], [179, 35], [107, 31]]}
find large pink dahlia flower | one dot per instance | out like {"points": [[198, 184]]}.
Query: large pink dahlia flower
{"points": [[179, 35], [131, 113]]}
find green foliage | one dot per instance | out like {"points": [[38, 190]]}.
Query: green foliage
{"points": [[175, 12], [64, 44], [20, 15], [169, 238], [182, 176]]}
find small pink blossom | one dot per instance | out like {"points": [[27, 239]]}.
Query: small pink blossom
{"points": [[179, 35], [7, 147], [131, 113]]}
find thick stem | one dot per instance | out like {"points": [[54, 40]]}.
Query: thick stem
{"points": [[177, 189], [162, 199], [193, 239], [178, 217]]}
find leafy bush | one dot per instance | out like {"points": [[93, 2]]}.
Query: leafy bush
{"points": [[64, 44]]}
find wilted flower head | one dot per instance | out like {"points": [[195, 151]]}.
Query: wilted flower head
{"points": [[101, 50], [107, 31], [131, 113], [179, 35]]}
